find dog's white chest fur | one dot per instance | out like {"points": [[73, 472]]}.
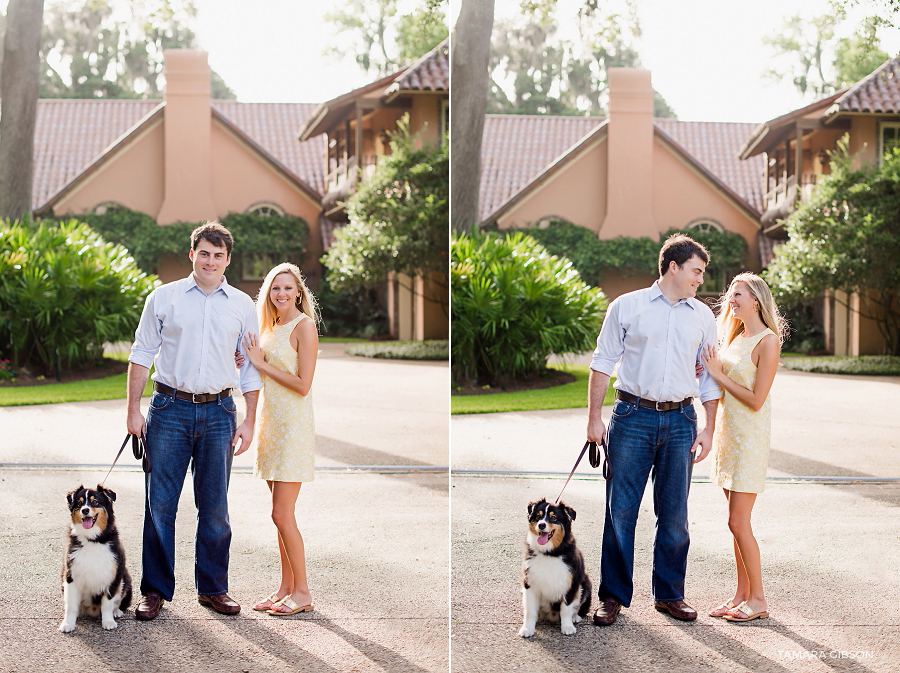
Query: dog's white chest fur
{"points": [[93, 569], [549, 577]]}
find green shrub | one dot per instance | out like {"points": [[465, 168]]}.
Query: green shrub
{"points": [[350, 313], [806, 334], [402, 350], [593, 256], [513, 305], [276, 237], [859, 365], [64, 291]]}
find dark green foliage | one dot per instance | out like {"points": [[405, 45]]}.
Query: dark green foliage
{"points": [[805, 333], [847, 237], [398, 218], [350, 314], [402, 350], [593, 256], [64, 291], [514, 304], [280, 237]]}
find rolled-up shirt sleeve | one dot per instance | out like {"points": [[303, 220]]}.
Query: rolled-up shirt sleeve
{"points": [[249, 375], [610, 342], [147, 336], [709, 389]]}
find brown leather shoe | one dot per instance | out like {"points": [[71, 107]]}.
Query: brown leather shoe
{"points": [[221, 604], [677, 609], [607, 612], [149, 606]]}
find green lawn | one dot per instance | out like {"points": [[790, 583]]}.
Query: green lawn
{"points": [[567, 396], [108, 388]]}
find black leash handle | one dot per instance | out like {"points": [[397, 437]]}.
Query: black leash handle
{"points": [[594, 459], [138, 448]]}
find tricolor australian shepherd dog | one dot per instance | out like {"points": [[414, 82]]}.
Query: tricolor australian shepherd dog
{"points": [[554, 583], [94, 577]]}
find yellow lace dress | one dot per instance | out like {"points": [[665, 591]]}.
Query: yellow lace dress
{"points": [[286, 436], [741, 439]]}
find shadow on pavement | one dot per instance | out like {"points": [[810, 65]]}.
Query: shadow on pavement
{"points": [[378, 654]]}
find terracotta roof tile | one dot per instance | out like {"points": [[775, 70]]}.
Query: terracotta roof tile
{"points": [[716, 145], [878, 92], [430, 73], [515, 148], [70, 134]]}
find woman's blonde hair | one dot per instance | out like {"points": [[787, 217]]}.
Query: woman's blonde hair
{"points": [[729, 327], [265, 309]]}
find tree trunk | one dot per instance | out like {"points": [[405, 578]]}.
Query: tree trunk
{"points": [[470, 49], [19, 90]]}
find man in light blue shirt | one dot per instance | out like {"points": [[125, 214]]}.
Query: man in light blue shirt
{"points": [[655, 336], [190, 329]]}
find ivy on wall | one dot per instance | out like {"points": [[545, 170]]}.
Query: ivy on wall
{"points": [[279, 237], [593, 257]]}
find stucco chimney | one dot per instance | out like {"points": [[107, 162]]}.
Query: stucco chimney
{"points": [[629, 209], [186, 124]]}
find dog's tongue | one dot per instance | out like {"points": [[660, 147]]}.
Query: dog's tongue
{"points": [[88, 522], [542, 539]]}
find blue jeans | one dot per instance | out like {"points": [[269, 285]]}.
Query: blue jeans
{"points": [[182, 434], [644, 442]]}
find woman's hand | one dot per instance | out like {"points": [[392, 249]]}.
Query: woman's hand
{"points": [[712, 363], [254, 352]]}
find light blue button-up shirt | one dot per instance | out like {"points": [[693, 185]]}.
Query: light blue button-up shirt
{"points": [[192, 337], [657, 345]]}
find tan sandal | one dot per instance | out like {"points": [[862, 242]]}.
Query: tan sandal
{"points": [[742, 613], [272, 601], [292, 608], [723, 609]]}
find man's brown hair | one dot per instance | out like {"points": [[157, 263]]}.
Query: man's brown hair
{"points": [[213, 232], [679, 248]]}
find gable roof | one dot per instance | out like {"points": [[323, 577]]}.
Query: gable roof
{"points": [[518, 151], [879, 92], [73, 137], [431, 73]]}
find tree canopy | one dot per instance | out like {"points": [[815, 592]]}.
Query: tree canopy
{"points": [[847, 237], [398, 218], [537, 70], [817, 60], [380, 39], [106, 49]]}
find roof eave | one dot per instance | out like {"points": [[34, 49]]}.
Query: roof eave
{"points": [[754, 144]]}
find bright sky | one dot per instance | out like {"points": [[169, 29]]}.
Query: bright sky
{"points": [[706, 56]]}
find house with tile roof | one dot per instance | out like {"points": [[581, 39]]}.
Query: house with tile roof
{"points": [[625, 175], [794, 148], [188, 158], [354, 129]]}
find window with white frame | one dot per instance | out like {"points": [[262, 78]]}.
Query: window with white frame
{"points": [[706, 225], [255, 267], [265, 208]]}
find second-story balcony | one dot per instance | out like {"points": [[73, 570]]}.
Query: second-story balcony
{"points": [[781, 200], [341, 182]]}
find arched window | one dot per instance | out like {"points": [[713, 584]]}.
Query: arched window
{"points": [[108, 207], [706, 224], [265, 208]]}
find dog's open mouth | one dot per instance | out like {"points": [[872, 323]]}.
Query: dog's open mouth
{"points": [[544, 538], [87, 522]]}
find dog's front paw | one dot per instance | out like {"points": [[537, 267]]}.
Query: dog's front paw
{"points": [[118, 613], [577, 619], [67, 626], [109, 624], [567, 629], [526, 632]]}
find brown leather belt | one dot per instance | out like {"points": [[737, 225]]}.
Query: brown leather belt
{"points": [[196, 398], [651, 404]]}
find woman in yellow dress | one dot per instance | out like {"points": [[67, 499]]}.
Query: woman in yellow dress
{"points": [[286, 358], [750, 332]]}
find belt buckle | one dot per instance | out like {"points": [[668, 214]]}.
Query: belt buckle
{"points": [[656, 405], [194, 397]]}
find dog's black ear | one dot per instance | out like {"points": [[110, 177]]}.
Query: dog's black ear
{"points": [[70, 496], [531, 506], [570, 512], [111, 494]]}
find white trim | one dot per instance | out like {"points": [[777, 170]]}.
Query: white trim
{"points": [[882, 125], [265, 204], [715, 224]]}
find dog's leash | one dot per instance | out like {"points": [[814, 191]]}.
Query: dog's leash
{"points": [[139, 449], [594, 459]]}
